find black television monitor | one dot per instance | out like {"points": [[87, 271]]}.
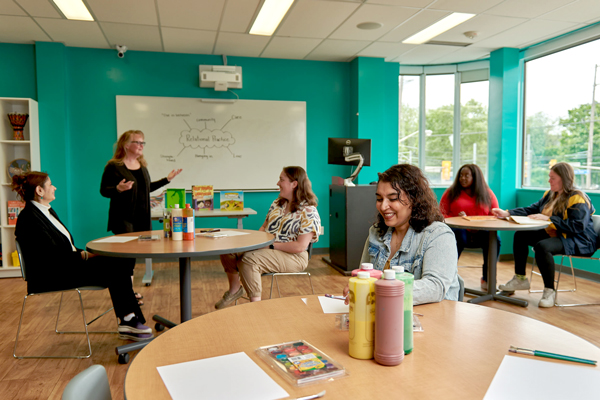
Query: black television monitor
{"points": [[339, 148]]}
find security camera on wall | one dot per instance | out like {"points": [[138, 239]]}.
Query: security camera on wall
{"points": [[121, 50]]}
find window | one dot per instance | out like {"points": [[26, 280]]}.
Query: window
{"points": [[559, 121], [443, 122]]}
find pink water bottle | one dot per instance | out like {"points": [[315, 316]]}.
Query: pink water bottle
{"points": [[389, 319], [368, 267]]}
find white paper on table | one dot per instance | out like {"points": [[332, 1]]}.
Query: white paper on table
{"points": [[304, 300], [527, 220], [524, 378], [116, 239], [333, 306], [211, 378], [234, 233]]}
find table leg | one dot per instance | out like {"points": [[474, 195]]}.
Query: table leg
{"points": [[491, 292], [147, 279], [240, 224], [185, 288]]}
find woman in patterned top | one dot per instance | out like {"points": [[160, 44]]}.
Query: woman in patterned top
{"points": [[294, 220]]}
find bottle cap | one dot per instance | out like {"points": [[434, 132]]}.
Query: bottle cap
{"points": [[366, 266], [389, 274], [398, 268], [176, 206], [363, 275], [187, 206]]}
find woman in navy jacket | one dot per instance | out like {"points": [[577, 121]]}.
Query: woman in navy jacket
{"points": [[571, 231], [54, 263]]}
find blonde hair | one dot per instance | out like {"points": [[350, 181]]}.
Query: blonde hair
{"points": [[120, 151], [303, 191]]}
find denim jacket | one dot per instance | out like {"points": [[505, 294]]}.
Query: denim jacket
{"points": [[429, 255]]}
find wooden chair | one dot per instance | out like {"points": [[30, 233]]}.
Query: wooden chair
{"points": [[596, 224], [85, 323]]}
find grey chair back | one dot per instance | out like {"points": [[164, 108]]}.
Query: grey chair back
{"points": [[90, 384], [21, 260], [596, 225], [461, 291]]}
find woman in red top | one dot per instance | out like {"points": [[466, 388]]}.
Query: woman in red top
{"points": [[470, 195]]}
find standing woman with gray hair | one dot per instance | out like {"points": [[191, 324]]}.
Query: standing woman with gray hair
{"points": [[571, 231]]}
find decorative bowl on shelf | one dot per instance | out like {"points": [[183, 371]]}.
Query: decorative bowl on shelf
{"points": [[18, 122], [18, 167]]}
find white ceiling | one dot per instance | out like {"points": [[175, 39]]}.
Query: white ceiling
{"points": [[311, 30]]}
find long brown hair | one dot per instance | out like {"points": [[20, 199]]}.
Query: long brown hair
{"points": [[479, 188], [25, 185], [303, 191], [120, 152], [413, 189], [567, 175]]}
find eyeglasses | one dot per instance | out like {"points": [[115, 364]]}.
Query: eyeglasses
{"points": [[138, 143]]}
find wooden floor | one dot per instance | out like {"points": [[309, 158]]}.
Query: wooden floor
{"points": [[42, 379]]}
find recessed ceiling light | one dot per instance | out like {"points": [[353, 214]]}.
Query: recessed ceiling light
{"points": [[438, 28], [270, 15], [74, 9], [369, 25]]}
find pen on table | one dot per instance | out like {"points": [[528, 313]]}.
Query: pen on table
{"points": [[335, 297], [538, 353]]}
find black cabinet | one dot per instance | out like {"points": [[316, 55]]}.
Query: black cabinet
{"points": [[352, 211]]}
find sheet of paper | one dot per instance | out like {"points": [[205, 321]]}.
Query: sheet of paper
{"points": [[528, 221], [530, 378], [304, 300], [213, 377], [234, 233], [116, 239], [333, 306]]}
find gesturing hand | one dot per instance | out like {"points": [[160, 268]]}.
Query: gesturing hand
{"points": [[124, 185], [173, 174]]}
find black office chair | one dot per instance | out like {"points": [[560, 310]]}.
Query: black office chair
{"points": [[85, 323]]}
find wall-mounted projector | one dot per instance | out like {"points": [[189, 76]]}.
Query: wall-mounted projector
{"points": [[221, 77]]}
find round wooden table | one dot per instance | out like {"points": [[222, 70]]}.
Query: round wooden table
{"points": [[454, 358], [492, 226]]}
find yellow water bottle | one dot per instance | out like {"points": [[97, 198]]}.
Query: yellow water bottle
{"points": [[362, 316]]}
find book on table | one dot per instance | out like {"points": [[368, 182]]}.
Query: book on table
{"points": [[232, 201], [175, 196], [526, 220], [479, 217], [203, 197]]}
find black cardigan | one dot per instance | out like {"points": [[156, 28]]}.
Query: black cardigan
{"points": [[48, 255], [123, 204]]}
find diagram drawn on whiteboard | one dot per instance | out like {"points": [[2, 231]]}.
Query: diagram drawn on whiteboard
{"points": [[201, 139]]}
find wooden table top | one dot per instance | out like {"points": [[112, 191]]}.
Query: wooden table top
{"points": [[456, 357], [165, 247], [491, 225]]}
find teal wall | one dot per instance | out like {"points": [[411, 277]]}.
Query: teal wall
{"points": [[17, 71], [77, 88]]}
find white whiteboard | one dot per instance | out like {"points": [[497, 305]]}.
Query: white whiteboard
{"points": [[241, 145]]}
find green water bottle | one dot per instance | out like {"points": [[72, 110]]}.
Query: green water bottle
{"points": [[409, 281]]}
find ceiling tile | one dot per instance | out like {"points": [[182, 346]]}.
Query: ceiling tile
{"points": [[293, 48], [337, 50], [194, 14], [526, 9], [315, 19], [124, 11], [531, 31], [15, 29], [238, 15], [38, 8], [424, 54], [415, 24], [389, 16], [580, 11], [386, 50], [465, 54], [9, 7], [465, 6], [240, 44], [74, 33], [485, 25], [135, 37], [404, 3], [192, 41]]}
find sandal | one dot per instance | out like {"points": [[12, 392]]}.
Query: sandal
{"points": [[140, 303], [138, 296]]}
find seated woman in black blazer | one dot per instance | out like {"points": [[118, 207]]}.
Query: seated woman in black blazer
{"points": [[54, 263]]}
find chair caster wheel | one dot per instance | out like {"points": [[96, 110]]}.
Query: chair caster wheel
{"points": [[158, 327], [123, 358], [147, 284]]}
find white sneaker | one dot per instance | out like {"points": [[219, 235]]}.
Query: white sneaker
{"points": [[547, 298], [515, 284]]}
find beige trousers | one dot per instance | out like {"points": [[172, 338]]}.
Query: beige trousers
{"points": [[252, 264]]}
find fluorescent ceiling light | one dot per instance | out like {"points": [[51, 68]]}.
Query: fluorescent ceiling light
{"points": [[270, 15], [438, 28], [74, 9]]}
